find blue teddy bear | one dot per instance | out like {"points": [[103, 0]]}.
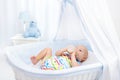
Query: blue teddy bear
{"points": [[32, 31]]}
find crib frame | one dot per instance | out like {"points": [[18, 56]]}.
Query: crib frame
{"points": [[87, 72]]}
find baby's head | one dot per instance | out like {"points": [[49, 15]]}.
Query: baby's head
{"points": [[81, 53]]}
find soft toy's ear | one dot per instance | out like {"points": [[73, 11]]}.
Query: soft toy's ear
{"points": [[33, 24]]}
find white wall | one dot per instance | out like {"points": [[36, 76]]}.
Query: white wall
{"points": [[114, 6]]}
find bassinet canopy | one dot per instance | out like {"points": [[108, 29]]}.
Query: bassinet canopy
{"points": [[84, 19], [96, 25]]}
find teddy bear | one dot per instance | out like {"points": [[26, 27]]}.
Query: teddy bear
{"points": [[32, 30]]}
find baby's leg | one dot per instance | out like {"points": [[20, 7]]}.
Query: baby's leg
{"points": [[47, 55], [42, 55]]}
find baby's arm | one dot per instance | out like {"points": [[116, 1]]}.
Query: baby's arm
{"points": [[70, 49], [74, 63], [61, 52]]}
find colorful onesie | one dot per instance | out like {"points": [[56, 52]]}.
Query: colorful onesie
{"points": [[56, 63]]}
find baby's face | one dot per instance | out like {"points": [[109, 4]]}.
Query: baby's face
{"points": [[81, 53]]}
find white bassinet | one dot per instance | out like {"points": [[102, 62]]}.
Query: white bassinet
{"points": [[19, 59]]}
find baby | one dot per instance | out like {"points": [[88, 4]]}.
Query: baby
{"points": [[70, 56]]}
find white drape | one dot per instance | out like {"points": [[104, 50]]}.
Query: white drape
{"points": [[9, 24], [69, 24], [103, 36], [100, 31]]}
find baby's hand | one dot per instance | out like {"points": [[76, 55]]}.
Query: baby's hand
{"points": [[58, 53], [73, 54], [70, 49]]}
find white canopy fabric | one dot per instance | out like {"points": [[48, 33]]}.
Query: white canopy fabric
{"points": [[91, 19], [103, 36]]}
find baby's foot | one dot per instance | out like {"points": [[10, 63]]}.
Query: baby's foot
{"points": [[34, 60]]}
